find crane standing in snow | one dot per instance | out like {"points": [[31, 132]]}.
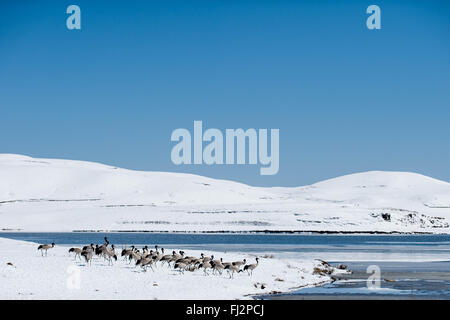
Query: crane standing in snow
{"points": [[45, 247], [251, 267], [77, 252]]}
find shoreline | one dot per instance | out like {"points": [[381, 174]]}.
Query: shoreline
{"points": [[249, 232], [26, 274]]}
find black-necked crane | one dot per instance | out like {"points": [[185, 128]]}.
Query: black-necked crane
{"points": [[251, 267], [77, 252], [159, 255], [88, 254], [145, 263], [134, 255], [110, 254], [167, 258], [180, 267], [45, 247], [100, 250], [126, 252], [205, 265], [231, 269], [217, 266]]}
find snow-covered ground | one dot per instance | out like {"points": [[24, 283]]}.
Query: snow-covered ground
{"points": [[66, 195], [25, 274]]}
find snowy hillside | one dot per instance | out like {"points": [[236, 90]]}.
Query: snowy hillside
{"points": [[66, 195]]}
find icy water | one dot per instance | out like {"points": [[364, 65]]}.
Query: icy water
{"points": [[398, 281], [412, 266]]}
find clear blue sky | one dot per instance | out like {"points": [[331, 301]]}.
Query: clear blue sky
{"points": [[346, 99]]}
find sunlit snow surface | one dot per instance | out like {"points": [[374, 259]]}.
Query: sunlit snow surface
{"points": [[419, 264], [67, 195], [25, 274]]}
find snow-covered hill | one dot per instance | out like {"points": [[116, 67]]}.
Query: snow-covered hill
{"points": [[66, 195]]}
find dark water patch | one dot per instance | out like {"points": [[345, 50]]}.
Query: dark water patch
{"points": [[342, 241]]}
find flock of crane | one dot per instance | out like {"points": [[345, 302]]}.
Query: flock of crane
{"points": [[146, 258]]}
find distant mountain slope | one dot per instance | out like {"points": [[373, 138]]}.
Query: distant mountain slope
{"points": [[24, 178], [66, 195], [377, 188]]}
